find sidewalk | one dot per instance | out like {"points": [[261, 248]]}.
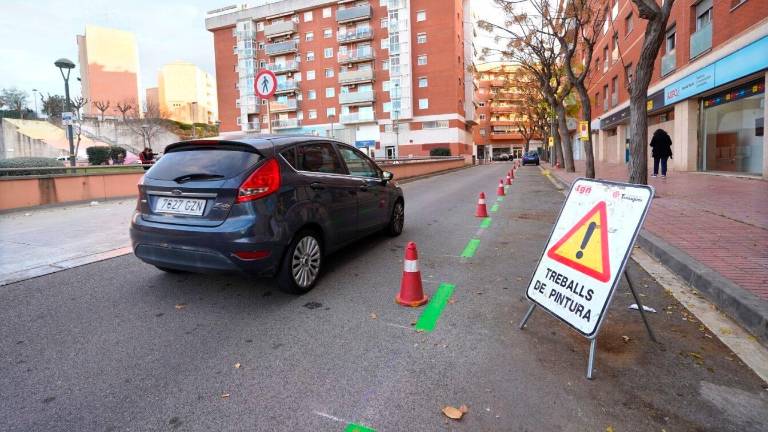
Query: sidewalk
{"points": [[40, 241], [712, 230]]}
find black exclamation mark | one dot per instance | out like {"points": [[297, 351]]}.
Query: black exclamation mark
{"points": [[587, 236]]}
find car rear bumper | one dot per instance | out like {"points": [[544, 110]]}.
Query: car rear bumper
{"points": [[203, 250]]}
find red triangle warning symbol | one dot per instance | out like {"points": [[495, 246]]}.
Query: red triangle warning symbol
{"points": [[584, 247]]}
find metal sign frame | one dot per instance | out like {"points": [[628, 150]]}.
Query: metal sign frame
{"points": [[592, 337]]}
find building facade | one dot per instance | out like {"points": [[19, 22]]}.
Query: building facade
{"points": [[109, 68], [499, 113], [187, 93], [390, 76], [707, 90]]}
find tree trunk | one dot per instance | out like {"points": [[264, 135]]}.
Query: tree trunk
{"points": [[557, 150], [586, 115], [566, 154]]}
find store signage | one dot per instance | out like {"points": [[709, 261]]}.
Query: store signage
{"points": [[741, 92], [365, 144], [584, 130], [695, 83]]}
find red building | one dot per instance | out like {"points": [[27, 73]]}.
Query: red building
{"points": [[708, 86], [389, 76]]}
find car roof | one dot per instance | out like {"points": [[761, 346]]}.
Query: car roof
{"points": [[262, 141]]}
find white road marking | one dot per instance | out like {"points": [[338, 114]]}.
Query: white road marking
{"points": [[328, 416]]}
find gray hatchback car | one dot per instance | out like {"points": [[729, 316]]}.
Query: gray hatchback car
{"points": [[269, 205]]}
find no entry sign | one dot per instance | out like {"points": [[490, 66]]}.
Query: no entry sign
{"points": [[587, 251], [265, 83]]}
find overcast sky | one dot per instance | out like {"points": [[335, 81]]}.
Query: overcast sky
{"points": [[35, 33]]}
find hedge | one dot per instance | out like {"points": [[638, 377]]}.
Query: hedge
{"points": [[440, 151], [99, 155], [29, 162]]}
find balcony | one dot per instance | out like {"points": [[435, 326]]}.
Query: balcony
{"points": [[357, 117], [503, 123], [352, 14], [504, 108], [361, 34], [668, 63], [285, 105], [356, 77], [280, 68], [508, 96], [291, 123], [287, 87], [282, 28], [281, 48], [508, 134], [356, 56], [497, 83], [357, 98], [701, 41]]}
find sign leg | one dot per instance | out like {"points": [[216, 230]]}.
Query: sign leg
{"points": [[591, 361], [640, 307], [527, 315]]}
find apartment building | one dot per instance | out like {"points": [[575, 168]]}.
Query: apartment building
{"points": [[499, 113], [389, 76], [187, 93], [707, 90]]}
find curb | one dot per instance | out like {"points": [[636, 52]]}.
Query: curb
{"points": [[741, 305]]}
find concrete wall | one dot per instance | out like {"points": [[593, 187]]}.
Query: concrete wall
{"points": [[115, 132], [34, 191]]}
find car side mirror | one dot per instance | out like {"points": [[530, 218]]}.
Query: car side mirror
{"points": [[387, 176]]}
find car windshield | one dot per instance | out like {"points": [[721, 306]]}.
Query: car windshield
{"points": [[203, 164]]}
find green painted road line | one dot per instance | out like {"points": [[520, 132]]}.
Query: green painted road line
{"points": [[500, 199], [495, 208], [486, 223], [469, 251], [431, 314], [358, 428]]}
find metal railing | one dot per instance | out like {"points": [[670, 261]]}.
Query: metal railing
{"points": [[289, 66], [279, 29], [281, 47], [354, 13], [701, 40], [356, 76], [356, 35], [286, 123], [355, 55], [357, 97]]}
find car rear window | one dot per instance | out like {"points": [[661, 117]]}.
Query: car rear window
{"points": [[206, 160]]}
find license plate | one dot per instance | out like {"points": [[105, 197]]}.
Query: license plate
{"points": [[185, 206]]}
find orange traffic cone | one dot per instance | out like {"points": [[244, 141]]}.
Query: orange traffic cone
{"points": [[411, 292], [500, 190], [513, 174], [481, 211]]}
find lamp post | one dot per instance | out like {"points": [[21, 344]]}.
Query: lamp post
{"points": [[147, 143], [34, 96], [67, 64], [331, 117]]}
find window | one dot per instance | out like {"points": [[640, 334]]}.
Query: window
{"points": [[297, 76], [629, 24], [482, 116], [318, 157], [289, 156], [330, 92], [670, 42], [437, 124], [312, 114], [421, 60], [481, 104], [357, 164], [605, 97], [385, 64], [385, 86], [384, 23], [311, 95], [329, 73], [423, 82], [331, 111], [309, 36], [327, 52], [310, 56], [423, 103], [260, 26], [385, 43], [261, 46], [386, 107], [310, 75], [326, 12], [307, 16], [421, 16], [421, 38], [615, 90], [327, 33], [703, 14]]}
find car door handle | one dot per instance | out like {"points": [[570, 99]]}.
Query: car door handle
{"points": [[364, 187], [317, 186]]}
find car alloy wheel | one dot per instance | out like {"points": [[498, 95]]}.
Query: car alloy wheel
{"points": [[395, 227], [305, 262]]}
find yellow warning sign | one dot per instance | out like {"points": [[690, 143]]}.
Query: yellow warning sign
{"points": [[584, 247]]}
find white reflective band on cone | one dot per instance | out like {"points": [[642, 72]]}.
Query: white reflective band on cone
{"points": [[481, 201], [411, 266]]}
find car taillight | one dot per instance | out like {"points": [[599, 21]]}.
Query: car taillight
{"points": [[262, 182]]}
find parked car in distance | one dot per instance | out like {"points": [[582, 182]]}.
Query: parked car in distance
{"points": [[269, 205], [501, 157], [531, 158]]}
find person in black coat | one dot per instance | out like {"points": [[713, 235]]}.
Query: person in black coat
{"points": [[661, 144]]}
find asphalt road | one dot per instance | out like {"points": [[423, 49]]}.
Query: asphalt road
{"points": [[118, 345]]}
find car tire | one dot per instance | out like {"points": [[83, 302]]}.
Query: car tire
{"points": [[396, 219], [302, 263], [170, 270]]}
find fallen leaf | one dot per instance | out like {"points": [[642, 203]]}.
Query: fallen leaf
{"points": [[452, 413], [225, 396], [180, 306], [374, 316], [451, 301], [237, 365], [726, 330], [626, 339], [609, 429], [464, 409], [413, 323]]}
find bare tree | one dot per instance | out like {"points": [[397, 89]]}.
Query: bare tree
{"points": [[102, 106], [657, 17], [124, 107], [14, 98], [78, 103], [150, 126]]}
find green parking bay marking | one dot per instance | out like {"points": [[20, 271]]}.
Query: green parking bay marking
{"points": [[486, 223], [431, 314], [469, 250], [495, 208], [358, 428], [500, 199]]}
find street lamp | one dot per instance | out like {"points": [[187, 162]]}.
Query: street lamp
{"points": [[34, 96], [145, 128], [67, 64], [331, 117]]}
